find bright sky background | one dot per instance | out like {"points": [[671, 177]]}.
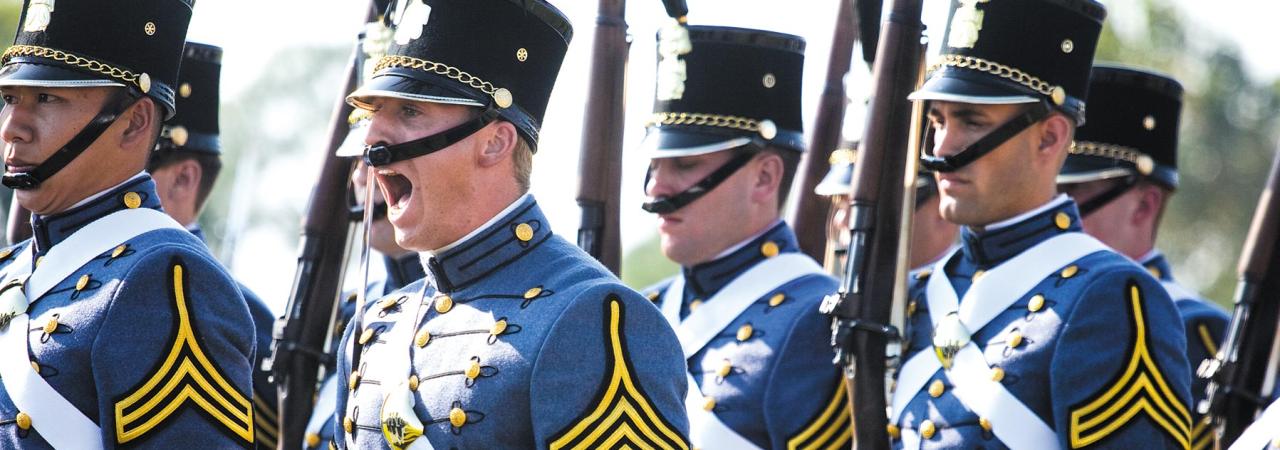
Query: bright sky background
{"points": [[252, 31]]}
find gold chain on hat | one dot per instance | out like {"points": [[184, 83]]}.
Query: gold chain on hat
{"points": [[706, 120], [1142, 161], [500, 95], [141, 80], [1056, 93]]}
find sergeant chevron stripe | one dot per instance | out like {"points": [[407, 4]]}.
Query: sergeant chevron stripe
{"points": [[186, 378], [1207, 339], [832, 427], [264, 420], [623, 417], [1140, 389], [1202, 434]]}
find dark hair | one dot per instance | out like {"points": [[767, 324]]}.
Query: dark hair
{"points": [[210, 166]]}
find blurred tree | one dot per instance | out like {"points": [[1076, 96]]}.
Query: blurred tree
{"points": [[9, 11], [645, 265], [1227, 140]]}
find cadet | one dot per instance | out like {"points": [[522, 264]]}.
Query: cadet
{"points": [[516, 339], [931, 235], [1122, 169], [1032, 334], [185, 166], [745, 303], [137, 335]]}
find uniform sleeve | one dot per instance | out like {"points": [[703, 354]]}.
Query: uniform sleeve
{"points": [[1206, 325], [610, 371], [172, 360], [1120, 377], [805, 403], [343, 373], [265, 418]]}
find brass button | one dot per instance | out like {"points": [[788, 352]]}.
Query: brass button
{"points": [[24, 421], [82, 282], [355, 380], [725, 369], [777, 299], [119, 250], [346, 424], [313, 439], [978, 275], [1058, 95], [695, 304], [502, 97], [457, 417], [422, 339], [132, 200], [524, 232], [708, 403], [36, 367], [149, 28], [473, 370], [894, 431], [1036, 303], [533, 293], [997, 374], [388, 303], [927, 429], [144, 82], [1068, 46], [653, 296], [498, 327], [184, 90], [923, 274], [1015, 339], [1062, 221], [413, 382], [745, 332], [444, 303], [769, 249], [39, 259], [51, 326], [985, 424], [936, 389], [912, 306], [769, 81], [366, 336], [5, 253], [1155, 271], [1149, 122], [1070, 271], [522, 54]]}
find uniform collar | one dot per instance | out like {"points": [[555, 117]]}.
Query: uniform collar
{"points": [[708, 278], [401, 271], [999, 242], [48, 231], [504, 239], [195, 229], [1158, 265]]}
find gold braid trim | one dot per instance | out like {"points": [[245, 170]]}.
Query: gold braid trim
{"points": [[500, 95], [142, 81], [1012, 74], [1142, 161]]}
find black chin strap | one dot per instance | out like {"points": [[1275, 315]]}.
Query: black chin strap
{"points": [[988, 143], [78, 144], [664, 205], [381, 154], [1101, 200]]}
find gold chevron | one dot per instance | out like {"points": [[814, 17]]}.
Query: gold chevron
{"points": [[264, 423], [623, 416], [1202, 434], [1207, 339], [1141, 389], [186, 375], [831, 429]]}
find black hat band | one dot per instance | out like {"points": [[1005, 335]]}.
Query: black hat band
{"points": [[766, 128], [141, 81], [501, 96], [1141, 161], [1055, 93]]}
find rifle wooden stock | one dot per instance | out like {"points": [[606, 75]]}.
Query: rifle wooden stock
{"points": [[809, 218], [863, 307], [1239, 373], [19, 222], [600, 169], [302, 335]]}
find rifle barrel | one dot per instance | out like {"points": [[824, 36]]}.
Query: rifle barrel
{"points": [[600, 169]]}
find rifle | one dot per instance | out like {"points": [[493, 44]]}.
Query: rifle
{"points": [[600, 172], [19, 222], [1242, 375], [807, 218], [302, 335], [863, 307]]}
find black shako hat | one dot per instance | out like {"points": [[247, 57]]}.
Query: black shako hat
{"points": [[737, 86], [195, 127], [1132, 128], [85, 43], [839, 177], [503, 54], [1017, 51]]}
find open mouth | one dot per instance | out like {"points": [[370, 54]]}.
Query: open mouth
{"points": [[396, 189]]}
